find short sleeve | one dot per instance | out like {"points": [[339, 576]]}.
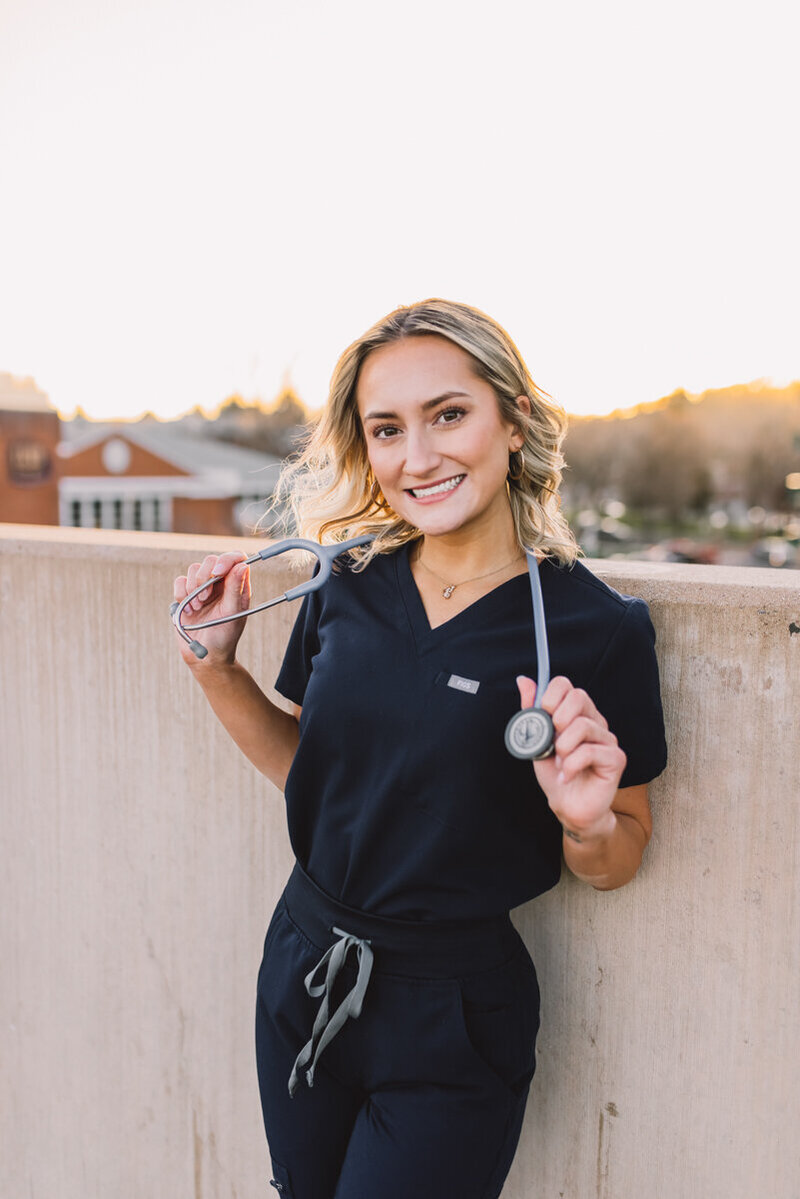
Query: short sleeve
{"points": [[625, 689], [303, 644]]}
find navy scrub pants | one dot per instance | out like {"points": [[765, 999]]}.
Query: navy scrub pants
{"points": [[424, 1092]]}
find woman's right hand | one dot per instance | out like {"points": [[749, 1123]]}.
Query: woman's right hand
{"points": [[228, 592]]}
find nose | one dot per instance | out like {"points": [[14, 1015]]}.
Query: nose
{"points": [[422, 457]]}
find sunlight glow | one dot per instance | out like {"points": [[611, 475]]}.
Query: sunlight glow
{"points": [[200, 198]]}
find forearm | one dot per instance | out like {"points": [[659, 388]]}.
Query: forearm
{"points": [[266, 734], [610, 857]]}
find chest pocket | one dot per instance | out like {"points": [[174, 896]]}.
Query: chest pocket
{"points": [[470, 706], [465, 757]]}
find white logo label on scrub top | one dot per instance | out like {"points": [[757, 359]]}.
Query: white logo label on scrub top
{"points": [[460, 684]]}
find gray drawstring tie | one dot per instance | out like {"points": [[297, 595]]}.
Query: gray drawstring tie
{"points": [[325, 1026]]}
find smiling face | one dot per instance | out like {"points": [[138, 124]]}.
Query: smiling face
{"points": [[435, 438]]}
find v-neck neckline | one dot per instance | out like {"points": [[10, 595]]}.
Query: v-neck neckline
{"points": [[426, 634]]}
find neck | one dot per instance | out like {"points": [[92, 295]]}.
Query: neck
{"points": [[466, 553]]}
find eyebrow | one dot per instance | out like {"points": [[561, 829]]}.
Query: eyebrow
{"points": [[447, 395]]}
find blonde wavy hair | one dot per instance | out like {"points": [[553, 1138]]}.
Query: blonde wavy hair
{"points": [[329, 492]]}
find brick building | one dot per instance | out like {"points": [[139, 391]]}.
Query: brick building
{"points": [[153, 475], [147, 474], [29, 435]]}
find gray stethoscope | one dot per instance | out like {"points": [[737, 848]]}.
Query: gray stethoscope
{"points": [[529, 733]]}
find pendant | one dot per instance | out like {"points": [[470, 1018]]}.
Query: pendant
{"points": [[448, 591]]}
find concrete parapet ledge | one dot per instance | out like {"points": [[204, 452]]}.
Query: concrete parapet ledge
{"points": [[142, 855]]}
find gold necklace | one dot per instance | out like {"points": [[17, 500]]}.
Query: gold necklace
{"points": [[449, 588]]}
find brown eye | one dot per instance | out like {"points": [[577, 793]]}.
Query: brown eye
{"points": [[449, 415]]}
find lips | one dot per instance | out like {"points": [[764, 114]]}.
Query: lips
{"points": [[436, 489]]}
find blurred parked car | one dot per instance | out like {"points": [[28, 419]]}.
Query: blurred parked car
{"points": [[682, 549], [774, 551]]}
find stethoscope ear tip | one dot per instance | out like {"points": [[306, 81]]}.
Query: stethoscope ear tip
{"points": [[197, 649]]}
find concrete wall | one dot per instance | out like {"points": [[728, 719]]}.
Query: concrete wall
{"points": [[141, 856]]}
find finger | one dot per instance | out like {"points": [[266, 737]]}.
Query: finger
{"points": [[204, 572], [557, 690], [607, 760], [527, 691], [192, 579], [582, 728], [574, 704], [225, 562], [237, 586], [246, 590], [180, 589]]}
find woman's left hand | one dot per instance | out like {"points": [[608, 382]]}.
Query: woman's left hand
{"points": [[581, 780]]}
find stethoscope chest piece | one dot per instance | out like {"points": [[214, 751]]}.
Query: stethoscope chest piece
{"points": [[530, 734]]}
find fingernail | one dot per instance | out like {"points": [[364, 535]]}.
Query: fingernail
{"points": [[219, 569], [560, 776]]}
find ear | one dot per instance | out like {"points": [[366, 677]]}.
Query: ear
{"points": [[517, 438]]}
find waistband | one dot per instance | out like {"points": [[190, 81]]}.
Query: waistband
{"points": [[412, 948]]}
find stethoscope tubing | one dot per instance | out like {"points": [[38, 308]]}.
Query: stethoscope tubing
{"points": [[529, 733], [539, 630], [325, 555]]}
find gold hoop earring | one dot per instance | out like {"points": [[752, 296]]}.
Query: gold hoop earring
{"points": [[511, 476], [376, 495]]}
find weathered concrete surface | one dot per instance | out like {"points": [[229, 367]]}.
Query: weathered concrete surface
{"points": [[141, 856]]}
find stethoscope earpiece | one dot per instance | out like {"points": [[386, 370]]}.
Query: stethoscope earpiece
{"points": [[325, 554]]}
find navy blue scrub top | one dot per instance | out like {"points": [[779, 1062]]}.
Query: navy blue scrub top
{"points": [[402, 799]]}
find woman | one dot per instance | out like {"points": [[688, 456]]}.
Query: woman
{"points": [[414, 829]]}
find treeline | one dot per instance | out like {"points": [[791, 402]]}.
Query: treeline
{"points": [[678, 455], [275, 429], [682, 454]]}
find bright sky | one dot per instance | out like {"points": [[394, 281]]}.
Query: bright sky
{"points": [[197, 197]]}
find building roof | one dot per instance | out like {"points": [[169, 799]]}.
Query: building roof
{"points": [[191, 452]]}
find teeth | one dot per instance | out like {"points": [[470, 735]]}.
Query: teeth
{"points": [[420, 492]]}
